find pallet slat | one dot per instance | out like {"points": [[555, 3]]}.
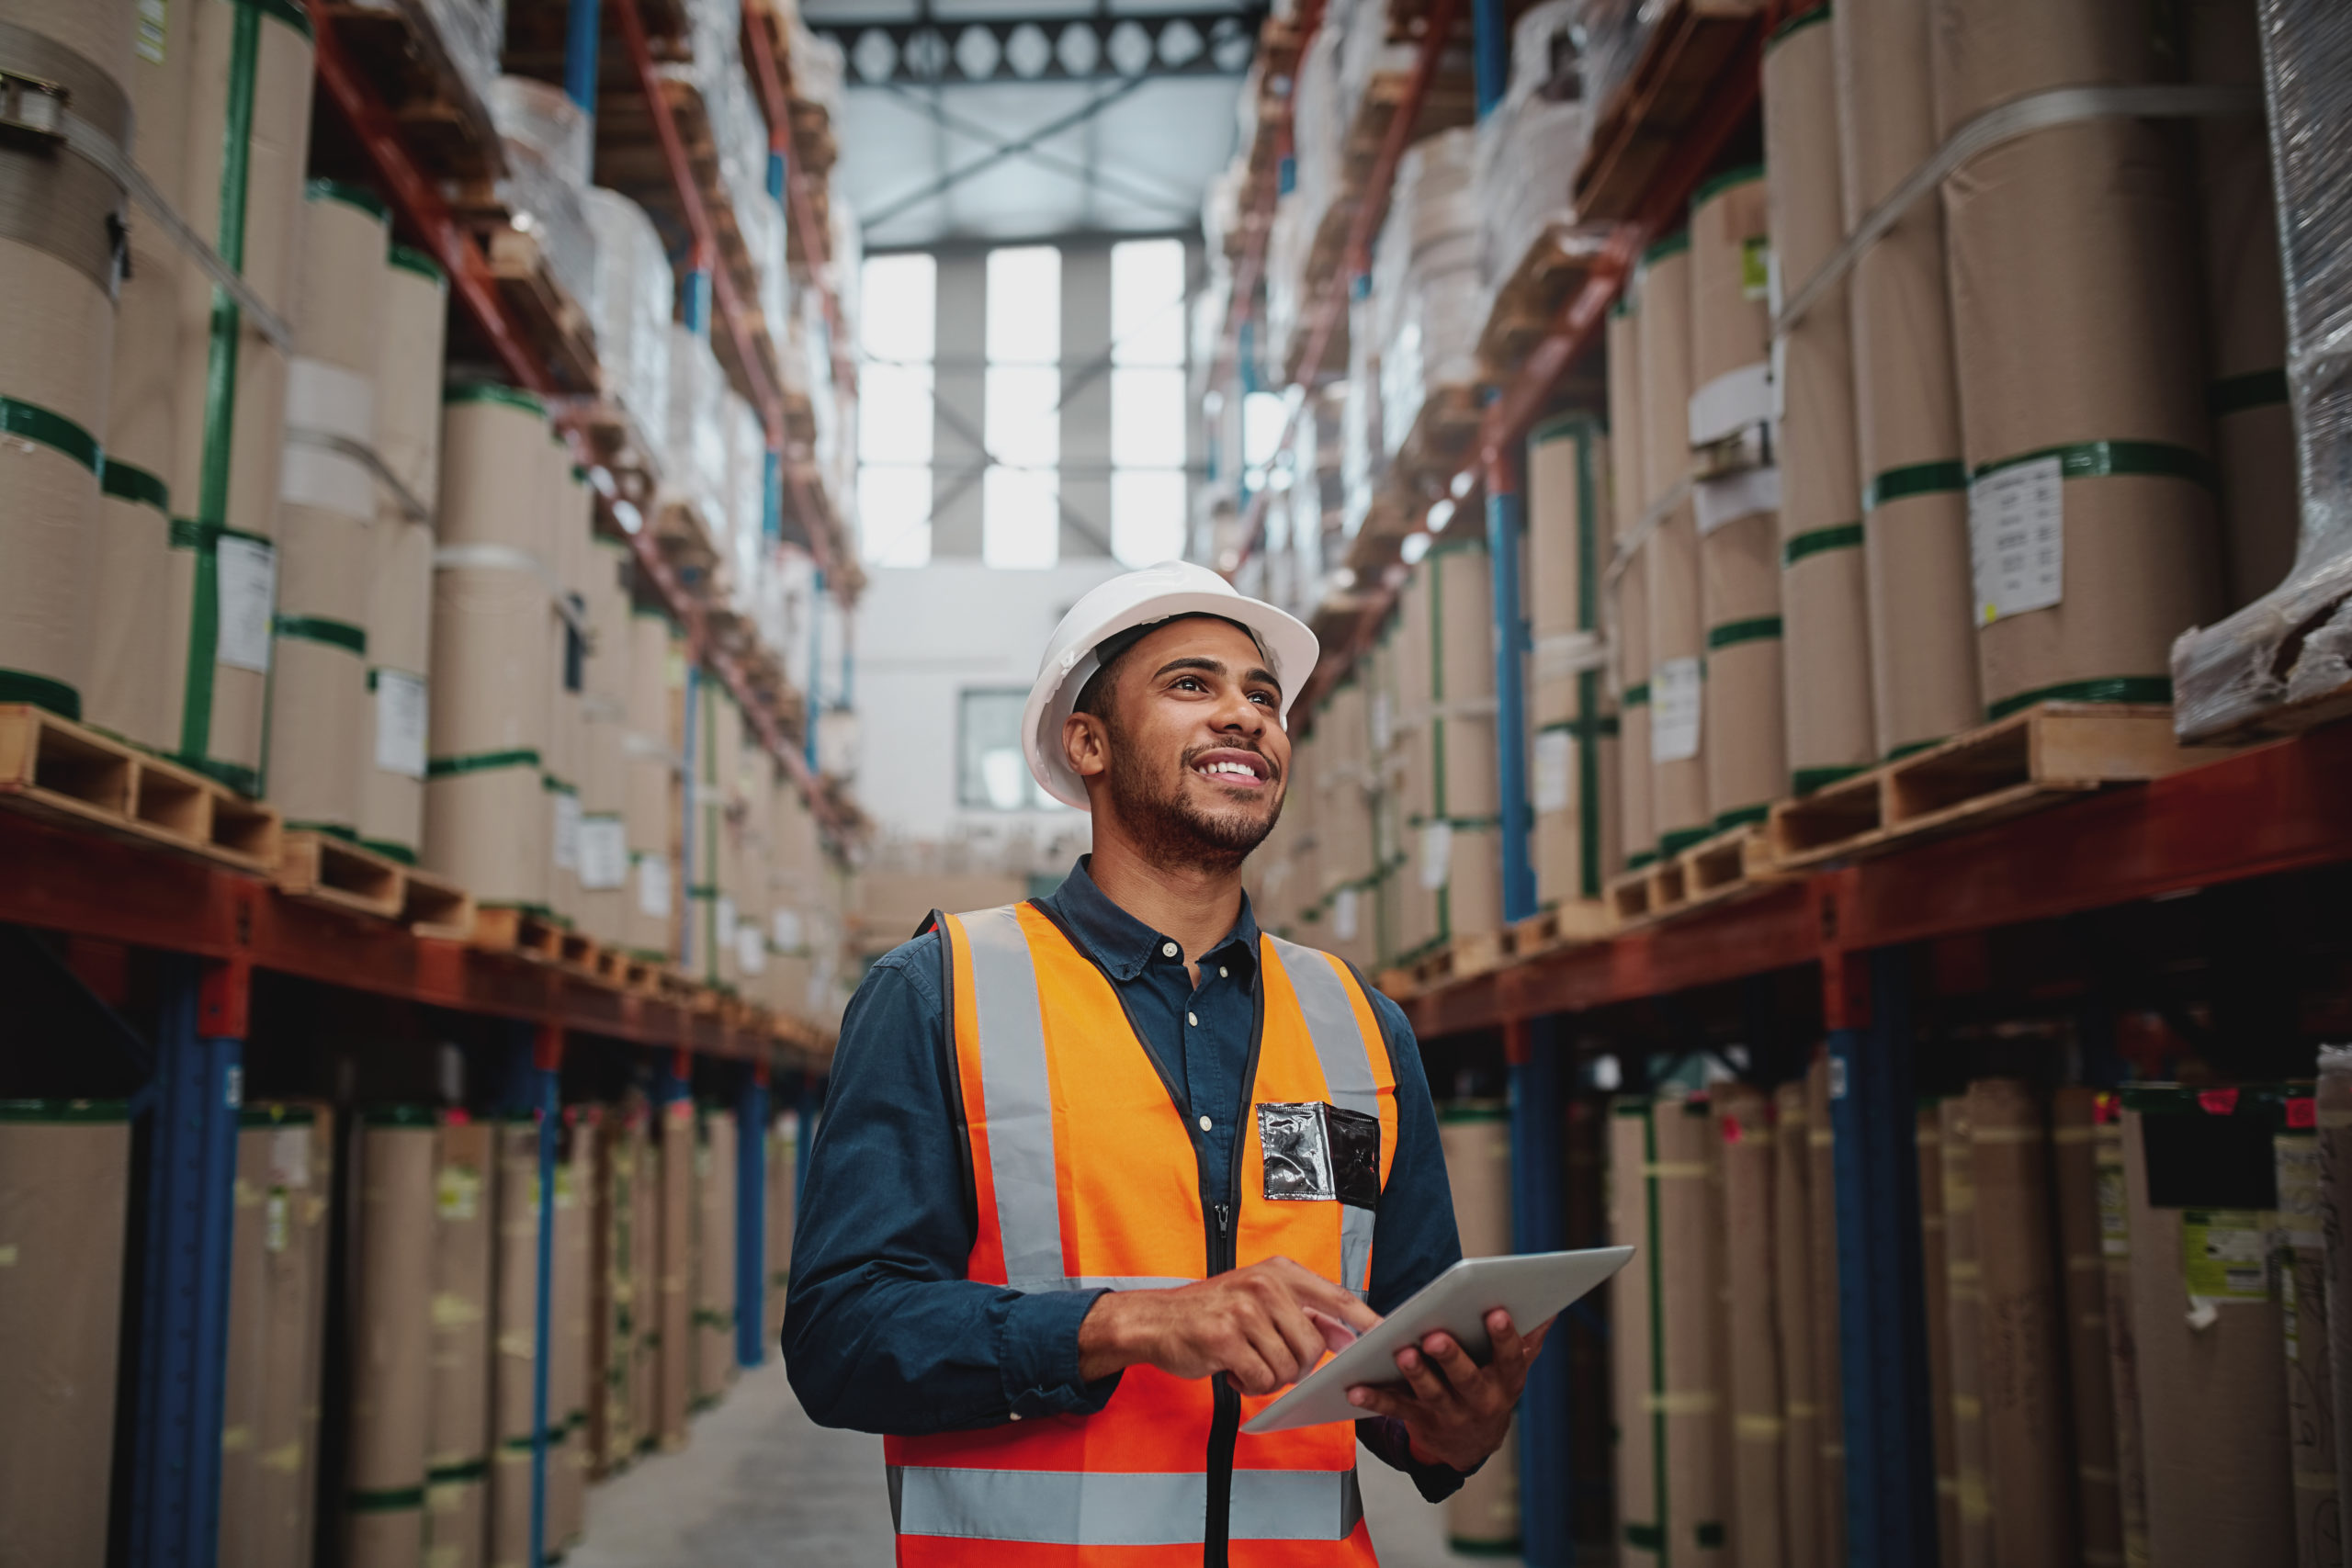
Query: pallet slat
{"points": [[321, 869], [54, 768]]}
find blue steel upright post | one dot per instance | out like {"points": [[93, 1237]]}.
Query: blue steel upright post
{"points": [[182, 1335], [582, 19], [1505, 515], [752, 1216], [1539, 1222], [1890, 1469]]}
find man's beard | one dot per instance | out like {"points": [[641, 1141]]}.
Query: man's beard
{"points": [[1170, 830]]}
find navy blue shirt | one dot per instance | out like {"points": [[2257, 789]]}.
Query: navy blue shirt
{"points": [[882, 1331]]}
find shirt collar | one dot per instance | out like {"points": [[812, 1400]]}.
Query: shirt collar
{"points": [[1123, 945]]}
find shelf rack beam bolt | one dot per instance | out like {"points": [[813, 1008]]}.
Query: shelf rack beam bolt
{"points": [[752, 1215]]}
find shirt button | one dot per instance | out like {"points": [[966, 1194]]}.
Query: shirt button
{"points": [[1168, 949], [1207, 1123], [1220, 971], [1016, 1415], [1192, 1019]]}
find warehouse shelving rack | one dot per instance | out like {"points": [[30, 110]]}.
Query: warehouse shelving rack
{"points": [[214, 925]]}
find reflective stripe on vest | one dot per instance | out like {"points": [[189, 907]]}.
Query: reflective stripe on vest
{"points": [[1118, 1509]]}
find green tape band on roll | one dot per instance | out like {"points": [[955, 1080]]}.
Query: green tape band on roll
{"points": [[276, 1116], [1914, 479], [1641, 1537], [462, 392], [348, 834], [555, 786], [481, 763], [1741, 817], [1672, 844], [398, 1500], [2108, 689], [41, 692], [48, 428], [398, 1116], [288, 12], [320, 629], [1674, 244], [1746, 174], [1636, 697], [1462, 1547], [408, 258], [1804, 780], [1797, 24], [350, 195], [1601, 724], [2112, 459], [64, 1110], [1731, 633], [125, 482], [404, 853], [450, 1475], [2254, 389], [1815, 541]]}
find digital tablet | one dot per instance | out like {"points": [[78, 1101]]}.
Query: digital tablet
{"points": [[1532, 1286]]}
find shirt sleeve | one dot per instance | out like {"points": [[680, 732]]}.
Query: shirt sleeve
{"points": [[882, 1331], [1414, 1239]]}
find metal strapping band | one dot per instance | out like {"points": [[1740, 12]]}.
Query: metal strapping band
{"points": [[1346, 1058], [1112, 1508], [359, 452], [506, 558], [1017, 1093]]}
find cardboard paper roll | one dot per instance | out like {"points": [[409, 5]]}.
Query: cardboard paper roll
{"points": [[2334, 1115], [1628, 593], [231, 394], [1963, 1274], [1663, 333], [654, 892], [567, 1326], [613, 1281], [517, 1207], [1792, 1293], [1989, 52], [242, 1529], [784, 1158], [396, 734], [2122, 1359], [395, 1153], [64, 1179], [1746, 744], [1761, 1499], [486, 825], [2074, 1184], [2206, 1331], [1828, 1369], [411, 315], [490, 658], [1567, 488], [318, 701], [338, 282], [1824, 601], [644, 1389], [457, 1439], [1730, 324], [2067, 266], [1690, 1220], [2302, 1300], [494, 471], [2021, 1367], [1677, 666], [1936, 1293], [673, 1382], [101, 31], [1635, 1381], [567, 667], [1627, 475], [714, 1303]]}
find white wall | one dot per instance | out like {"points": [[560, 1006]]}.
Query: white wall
{"points": [[925, 634]]}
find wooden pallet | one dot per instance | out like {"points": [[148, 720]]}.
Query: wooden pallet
{"points": [[618, 442], [1570, 923], [435, 907], [2046, 754], [64, 772], [445, 126], [1668, 89], [1436, 447], [579, 952], [554, 323], [1554, 269], [335, 873], [1450, 100], [682, 537], [1732, 864], [639, 977], [505, 929], [1651, 893]]}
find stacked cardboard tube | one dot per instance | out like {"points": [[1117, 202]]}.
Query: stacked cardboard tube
{"points": [[1445, 683], [1573, 760], [1628, 595], [1671, 569], [1475, 1134]]}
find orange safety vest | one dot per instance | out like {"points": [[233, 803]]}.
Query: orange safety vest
{"points": [[1086, 1172]]}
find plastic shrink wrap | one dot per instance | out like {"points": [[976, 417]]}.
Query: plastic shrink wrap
{"points": [[1529, 149], [1427, 304], [631, 310], [547, 138]]}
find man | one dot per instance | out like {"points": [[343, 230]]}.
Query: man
{"points": [[1101, 1174]]}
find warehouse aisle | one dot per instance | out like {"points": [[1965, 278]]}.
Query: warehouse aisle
{"points": [[762, 1486]]}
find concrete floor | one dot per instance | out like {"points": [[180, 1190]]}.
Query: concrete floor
{"points": [[761, 1485]]}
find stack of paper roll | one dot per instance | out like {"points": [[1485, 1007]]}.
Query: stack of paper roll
{"points": [[138, 660], [2253, 432], [2302, 1303], [714, 1355], [645, 1346], [1689, 1200], [2206, 1331], [1825, 602], [673, 1324], [567, 1485], [2122, 1360], [1670, 555], [604, 757], [277, 1322], [2091, 507], [250, 71], [1483, 1517], [64, 1195], [1572, 760], [1738, 513], [567, 497], [1795, 1294], [58, 270], [612, 1325], [389, 1341], [2331, 1112], [783, 1172], [655, 664], [1637, 1382], [1629, 638], [514, 1304], [1906, 404], [1935, 1282], [720, 850], [485, 815], [758, 896], [704, 806], [1963, 1320], [410, 309], [1446, 684], [457, 1494], [2073, 1174], [792, 868], [1346, 863], [327, 504], [1828, 1362], [1761, 1498]]}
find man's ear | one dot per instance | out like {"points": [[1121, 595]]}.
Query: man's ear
{"points": [[1086, 745]]}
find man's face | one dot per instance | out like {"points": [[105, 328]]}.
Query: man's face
{"points": [[1192, 754]]}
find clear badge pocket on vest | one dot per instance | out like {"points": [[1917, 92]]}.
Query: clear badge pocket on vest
{"points": [[1318, 1153]]}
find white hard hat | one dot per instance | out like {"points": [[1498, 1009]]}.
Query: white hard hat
{"points": [[1133, 598]]}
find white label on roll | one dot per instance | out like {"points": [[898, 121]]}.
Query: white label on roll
{"points": [[1436, 853], [1380, 722], [246, 571], [784, 930], [604, 852], [724, 917], [1731, 402], [1733, 496], [1343, 914], [653, 886], [750, 949], [289, 1156], [1554, 756], [2017, 539], [330, 481], [400, 723], [1674, 710], [327, 397], [567, 830]]}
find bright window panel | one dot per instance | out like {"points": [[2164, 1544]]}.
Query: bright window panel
{"points": [[1020, 526], [1025, 324], [1146, 516], [992, 772], [1262, 417], [895, 414], [900, 307], [1023, 419], [1146, 419], [1148, 302], [894, 514]]}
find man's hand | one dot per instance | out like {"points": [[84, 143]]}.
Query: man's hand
{"points": [[1251, 1324], [1455, 1410]]}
